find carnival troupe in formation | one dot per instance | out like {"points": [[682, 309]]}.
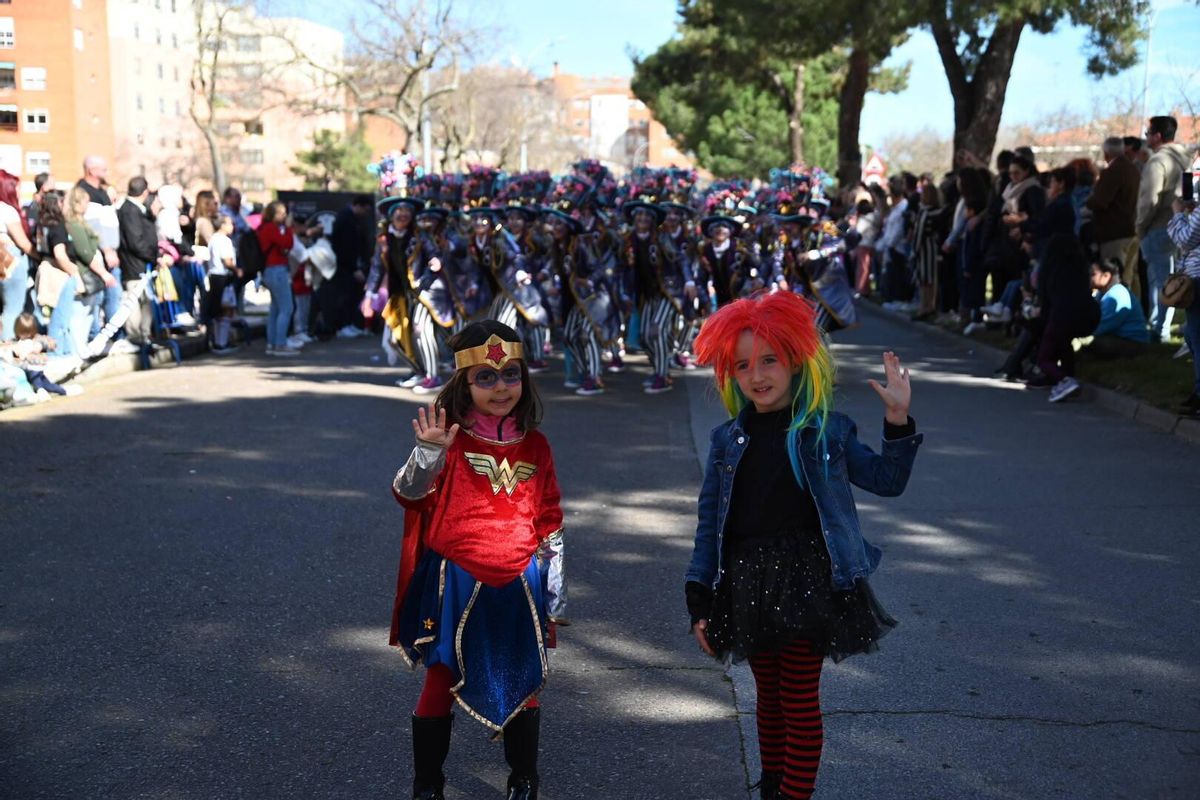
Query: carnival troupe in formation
{"points": [[598, 267]]}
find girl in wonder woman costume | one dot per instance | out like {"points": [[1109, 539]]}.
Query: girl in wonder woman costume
{"points": [[480, 588], [779, 570]]}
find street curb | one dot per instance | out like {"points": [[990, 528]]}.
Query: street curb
{"points": [[1125, 405], [189, 347]]}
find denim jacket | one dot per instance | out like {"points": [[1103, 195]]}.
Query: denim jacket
{"points": [[827, 474]]}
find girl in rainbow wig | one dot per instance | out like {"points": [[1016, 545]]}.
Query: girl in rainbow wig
{"points": [[779, 570]]}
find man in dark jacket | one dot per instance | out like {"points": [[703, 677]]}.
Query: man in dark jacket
{"points": [[137, 253], [1114, 210], [350, 240]]}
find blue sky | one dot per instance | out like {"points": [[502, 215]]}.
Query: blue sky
{"points": [[592, 37]]}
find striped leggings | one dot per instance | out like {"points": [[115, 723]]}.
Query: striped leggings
{"points": [[789, 716], [424, 331], [580, 338], [532, 336], [504, 312], [658, 320]]}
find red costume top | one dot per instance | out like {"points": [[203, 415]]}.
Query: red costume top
{"points": [[491, 507]]}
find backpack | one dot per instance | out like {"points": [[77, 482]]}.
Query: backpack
{"points": [[249, 255]]}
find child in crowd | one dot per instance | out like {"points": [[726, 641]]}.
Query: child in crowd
{"points": [[31, 352], [223, 274], [480, 588], [779, 569]]}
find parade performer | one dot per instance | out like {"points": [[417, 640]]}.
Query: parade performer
{"points": [[434, 311], [399, 250], [520, 200], [680, 246], [646, 255], [779, 570], [586, 264], [480, 587]]}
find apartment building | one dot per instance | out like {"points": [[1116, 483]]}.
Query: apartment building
{"points": [[55, 101], [606, 122]]}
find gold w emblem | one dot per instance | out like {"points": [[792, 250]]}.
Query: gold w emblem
{"points": [[503, 476]]}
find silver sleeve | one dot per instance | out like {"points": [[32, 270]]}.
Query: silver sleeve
{"points": [[415, 479], [551, 555]]}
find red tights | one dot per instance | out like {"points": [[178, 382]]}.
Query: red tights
{"points": [[789, 716], [436, 699]]}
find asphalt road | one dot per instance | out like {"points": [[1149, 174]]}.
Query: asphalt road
{"points": [[196, 567]]}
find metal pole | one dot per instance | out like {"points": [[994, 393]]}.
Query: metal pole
{"points": [[426, 128], [1146, 74]]}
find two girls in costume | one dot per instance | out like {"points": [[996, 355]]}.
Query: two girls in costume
{"points": [[779, 568]]}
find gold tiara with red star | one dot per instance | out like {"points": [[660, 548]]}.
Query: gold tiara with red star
{"points": [[495, 352]]}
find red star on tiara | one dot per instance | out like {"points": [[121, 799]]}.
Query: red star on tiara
{"points": [[495, 352]]}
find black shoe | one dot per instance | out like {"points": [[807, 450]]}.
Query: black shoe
{"points": [[1191, 406], [521, 753], [431, 743], [768, 785], [522, 789]]}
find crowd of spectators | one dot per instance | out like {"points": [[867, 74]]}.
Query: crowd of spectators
{"points": [[1079, 256], [87, 272]]}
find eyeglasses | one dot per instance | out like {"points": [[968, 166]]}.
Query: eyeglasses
{"points": [[487, 378]]}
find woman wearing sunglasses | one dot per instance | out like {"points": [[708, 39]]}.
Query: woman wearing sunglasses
{"points": [[480, 588]]}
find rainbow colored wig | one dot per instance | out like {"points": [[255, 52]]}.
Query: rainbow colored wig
{"points": [[787, 323]]}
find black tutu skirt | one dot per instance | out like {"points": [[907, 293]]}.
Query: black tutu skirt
{"points": [[776, 590]]}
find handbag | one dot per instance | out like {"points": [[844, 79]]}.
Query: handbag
{"points": [[48, 284], [89, 282], [1178, 292]]}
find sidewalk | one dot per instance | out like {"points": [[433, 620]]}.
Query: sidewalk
{"points": [[1126, 405]]}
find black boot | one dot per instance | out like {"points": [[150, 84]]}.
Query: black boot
{"points": [[521, 753], [431, 743], [769, 785]]}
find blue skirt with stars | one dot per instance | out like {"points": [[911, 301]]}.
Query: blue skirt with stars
{"points": [[491, 639]]}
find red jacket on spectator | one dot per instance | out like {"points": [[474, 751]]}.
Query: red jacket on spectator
{"points": [[275, 241]]}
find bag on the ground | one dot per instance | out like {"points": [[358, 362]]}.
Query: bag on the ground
{"points": [[250, 259], [48, 284], [1178, 292]]}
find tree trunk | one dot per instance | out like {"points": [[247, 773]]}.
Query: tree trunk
{"points": [[795, 119], [978, 98], [214, 153], [850, 108]]}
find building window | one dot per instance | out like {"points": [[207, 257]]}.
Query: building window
{"points": [[138, 102], [8, 37], [254, 127], [254, 184], [162, 106], [36, 161], [137, 66], [158, 70], [178, 142], [8, 75], [252, 156], [140, 137], [78, 39], [37, 120], [248, 44], [137, 31], [178, 109], [162, 141], [177, 74], [174, 41], [8, 118]]}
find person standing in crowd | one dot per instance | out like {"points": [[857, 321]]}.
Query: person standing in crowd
{"points": [[275, 237], [223, 275], [1069, 310], [14, 237], [94, 277], [138, 253], [346, 287], [1114, 211], [69, 324], [103, 219], [925, 251], [43, 183], [204, 218], [1135, 152], [1160, 185], [1184, 230], [231, 206], [893, 245]]}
